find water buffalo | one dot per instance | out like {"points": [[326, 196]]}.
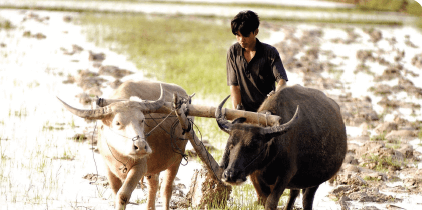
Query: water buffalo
{"points": [[128, 153], [299, 154]]}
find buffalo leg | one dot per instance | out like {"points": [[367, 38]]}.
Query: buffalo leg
{"points": [[279, 187], [167, 185], [115, 182], [152, 190], [292, 198], [132, 179], [262, 190], [308, 197]]}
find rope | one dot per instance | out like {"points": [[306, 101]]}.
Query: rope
{"points": [[124, 164], [93, 154], [158, 124], [254, 158], [93, 157], [172, 135], [175, 148]]}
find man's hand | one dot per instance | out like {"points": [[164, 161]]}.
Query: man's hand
{"points": [[270, 93], [240, 107]]}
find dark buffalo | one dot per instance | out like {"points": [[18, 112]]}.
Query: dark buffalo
{"points": [[300, 154]]}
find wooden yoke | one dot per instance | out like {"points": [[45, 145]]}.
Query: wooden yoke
{"points": [[209, 112], [182, 109], [231, 114]]}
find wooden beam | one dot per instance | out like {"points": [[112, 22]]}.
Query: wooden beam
{"points": [[199, 147]]}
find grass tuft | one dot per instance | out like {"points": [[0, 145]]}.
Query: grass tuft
{"points": [[381, 163], [6, 25]]}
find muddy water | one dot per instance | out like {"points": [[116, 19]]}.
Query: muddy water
{"points": [[41, 168]]}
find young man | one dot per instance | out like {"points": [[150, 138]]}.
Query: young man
{"points": [[253, 67]]}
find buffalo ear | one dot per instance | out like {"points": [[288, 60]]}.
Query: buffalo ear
{"points": [[107, 121], [239, 120]]}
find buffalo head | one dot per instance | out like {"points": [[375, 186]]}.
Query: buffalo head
{"points": [[123, 125], [248, 145]]}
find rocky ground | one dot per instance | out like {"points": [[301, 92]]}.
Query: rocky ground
{"points": [[372, 72]]}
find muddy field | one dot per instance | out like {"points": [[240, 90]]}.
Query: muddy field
{"points": [[47, 154]]}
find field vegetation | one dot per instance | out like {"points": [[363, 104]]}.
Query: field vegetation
{"points": [[179, 50], [188, 51], [410, 7], [364, 7]]}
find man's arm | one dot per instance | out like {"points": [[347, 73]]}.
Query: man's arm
{"points": [[278, 70], [235, 94], [281, 83]]}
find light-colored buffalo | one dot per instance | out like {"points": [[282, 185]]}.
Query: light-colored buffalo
{"points": [[121, 140]]}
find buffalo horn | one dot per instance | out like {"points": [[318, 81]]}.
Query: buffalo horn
{"points": [[280, 129], [146, 106], [152, 106], [97, 113], [224, 125], [102, 102]]}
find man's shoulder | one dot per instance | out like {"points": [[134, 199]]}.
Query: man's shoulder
{"points": [[234, 46], [234, 49], [268, 48]]}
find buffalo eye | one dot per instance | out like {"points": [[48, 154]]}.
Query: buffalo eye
{"points": [[231, 147]]}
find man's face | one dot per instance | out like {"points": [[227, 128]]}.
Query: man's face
{"points": [[246, 41]]}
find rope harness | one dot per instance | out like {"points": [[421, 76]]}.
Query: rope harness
{"points": [[124, 168]]}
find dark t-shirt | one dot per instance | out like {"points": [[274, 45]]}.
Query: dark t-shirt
{"points": [[256, 78]]}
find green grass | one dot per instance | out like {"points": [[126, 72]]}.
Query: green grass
{"points": [[411, 7], [380, 137], [368, 178], [184, 51], [67, 155], [381, 163], [394, 145]]}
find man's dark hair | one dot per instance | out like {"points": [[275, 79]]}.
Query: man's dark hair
{"points": [[245, 22]]}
